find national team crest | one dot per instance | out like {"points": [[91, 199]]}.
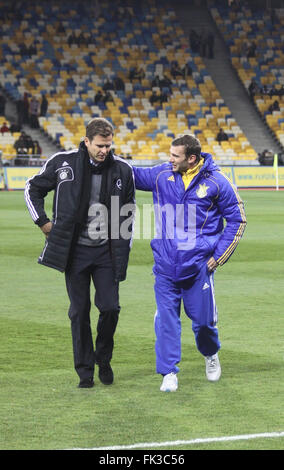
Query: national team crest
{"points": [[65, 174], [202, 190]]}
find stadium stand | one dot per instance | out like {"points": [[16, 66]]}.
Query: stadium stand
{"points": [[255, 41], [70, 53], [18, 147], [7, 139]]}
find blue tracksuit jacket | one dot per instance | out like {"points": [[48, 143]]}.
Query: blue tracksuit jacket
{"points": [[190, 223]]}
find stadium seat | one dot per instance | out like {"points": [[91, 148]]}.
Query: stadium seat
{"points": [[266, 68], [71, 76]]}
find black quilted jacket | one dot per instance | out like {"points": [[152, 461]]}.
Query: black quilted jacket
{"points": [[68, 174]]}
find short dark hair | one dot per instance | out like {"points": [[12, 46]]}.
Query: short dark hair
{"points": [[99, 126], [192, 145]]}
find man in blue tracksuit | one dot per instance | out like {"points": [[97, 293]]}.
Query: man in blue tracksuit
{"points": [[191, 198]]}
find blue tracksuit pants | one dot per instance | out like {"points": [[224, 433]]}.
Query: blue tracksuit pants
{"points": [[198, 298]]}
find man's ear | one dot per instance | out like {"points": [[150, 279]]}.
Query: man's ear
{"points": [[192, 159]]}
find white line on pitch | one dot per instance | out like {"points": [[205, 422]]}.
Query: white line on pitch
{"points": [[147, 445]]}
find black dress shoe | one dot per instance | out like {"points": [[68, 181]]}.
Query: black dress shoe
{"points": [[105, 374], [86, 383]]}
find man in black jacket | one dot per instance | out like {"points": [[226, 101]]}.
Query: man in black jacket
{"points": [[88, 238]]}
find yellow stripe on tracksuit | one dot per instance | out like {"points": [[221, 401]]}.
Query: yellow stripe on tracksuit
{"points": [[222, 259], [233, 245]]}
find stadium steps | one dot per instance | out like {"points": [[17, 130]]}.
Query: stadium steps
{"points": [[227, 81], [48, 147]]}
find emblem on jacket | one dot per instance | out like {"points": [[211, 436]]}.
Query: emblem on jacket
{"points": [[118, 184], [171, 178], [65, 174], [202, 190]]}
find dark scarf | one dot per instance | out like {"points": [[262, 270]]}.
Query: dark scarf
{"points": [[99, 168], [88, 169], [103, 169], [86, 177]]}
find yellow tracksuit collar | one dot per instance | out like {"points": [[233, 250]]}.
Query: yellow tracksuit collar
{"points": [[188, 175]]}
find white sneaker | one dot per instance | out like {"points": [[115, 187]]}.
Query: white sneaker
{"points": [[170, 383], [213, 368]]}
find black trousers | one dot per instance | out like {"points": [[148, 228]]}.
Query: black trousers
{"points": [[92, 263]]}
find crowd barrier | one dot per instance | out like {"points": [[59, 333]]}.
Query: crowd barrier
{"points": [[13, 178]]}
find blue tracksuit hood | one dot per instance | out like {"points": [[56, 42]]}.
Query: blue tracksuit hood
{"points": [[209, 164]]}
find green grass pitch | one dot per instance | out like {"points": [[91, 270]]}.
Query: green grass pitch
{"points": [[41, 406]]}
